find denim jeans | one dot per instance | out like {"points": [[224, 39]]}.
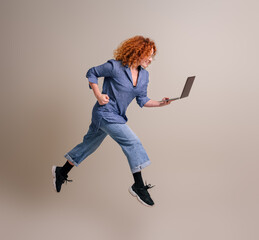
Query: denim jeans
{"points": [[122, 134]]}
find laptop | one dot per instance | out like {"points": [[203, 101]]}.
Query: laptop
{"points": [[186, 89]]}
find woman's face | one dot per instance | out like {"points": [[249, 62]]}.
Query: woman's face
{"points": [[146, 61]]}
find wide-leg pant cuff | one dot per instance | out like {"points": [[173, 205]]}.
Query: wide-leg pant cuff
{"points": [[140, 167], [70, 159]]}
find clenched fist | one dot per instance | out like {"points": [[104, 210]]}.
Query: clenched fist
{"points": [[103, 99]]}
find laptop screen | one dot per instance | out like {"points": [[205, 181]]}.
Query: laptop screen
{"points": [[187, 87]]}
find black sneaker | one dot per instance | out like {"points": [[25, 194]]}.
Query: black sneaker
{"points": [[142, 194], [58, 178]]}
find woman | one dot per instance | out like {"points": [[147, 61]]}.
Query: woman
{"points": [[125, 78]]}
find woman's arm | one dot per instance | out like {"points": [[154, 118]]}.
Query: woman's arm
{"points": [[104, 70], [153, 103], [101, 98]]}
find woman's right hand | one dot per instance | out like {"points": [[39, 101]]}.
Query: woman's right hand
{"points": [[103, 99]]}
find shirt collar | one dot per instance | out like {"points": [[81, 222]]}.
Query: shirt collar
{"points": [[139, 67]]}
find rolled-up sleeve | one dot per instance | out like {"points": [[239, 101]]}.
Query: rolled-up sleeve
{"points": [[104, 70], [142, 98]]}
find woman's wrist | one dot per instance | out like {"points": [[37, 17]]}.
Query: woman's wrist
{"points": [[96, 90], [97, 95], [152, 103]]}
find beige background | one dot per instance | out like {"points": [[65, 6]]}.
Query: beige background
{"points": [[204, 149]]}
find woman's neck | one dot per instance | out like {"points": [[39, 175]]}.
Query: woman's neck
{"points": [[134, 68]]}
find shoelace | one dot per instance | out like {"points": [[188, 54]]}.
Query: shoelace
{"points": [[147, 186], [67, 180]]}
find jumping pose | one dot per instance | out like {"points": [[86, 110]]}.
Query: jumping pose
{"points": [[125, 78]]}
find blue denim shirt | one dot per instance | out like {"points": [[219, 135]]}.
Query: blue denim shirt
{"points": [[118, 85]]}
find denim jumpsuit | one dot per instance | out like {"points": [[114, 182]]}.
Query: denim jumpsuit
{"points": [[110, 119]]}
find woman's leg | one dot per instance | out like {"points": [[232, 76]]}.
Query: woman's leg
{"points": [[136, 155], [130, 144], [138, 179], [91, 142]]}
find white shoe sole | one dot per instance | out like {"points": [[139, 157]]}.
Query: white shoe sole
{"points": [[139, 199], [53, 170]]}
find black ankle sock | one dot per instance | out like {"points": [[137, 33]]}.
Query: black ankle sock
{"points": [[138, 179], [66, 168]]}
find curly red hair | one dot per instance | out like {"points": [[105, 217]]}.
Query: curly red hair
{"points": [[133, 50]]}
